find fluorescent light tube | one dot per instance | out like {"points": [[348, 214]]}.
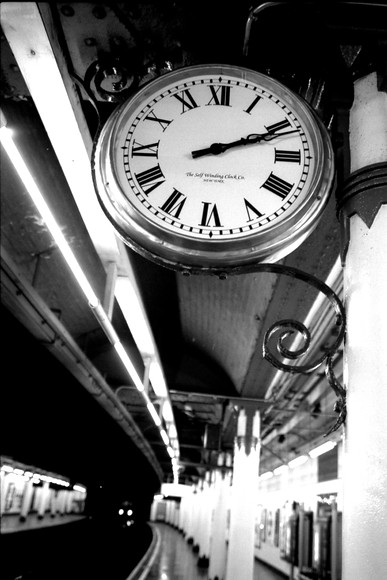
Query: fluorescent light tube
{"points": [[132, 310], [79, 488], [164, 436], [129, 366], [298, 461], [157, 380], [280, 469], [154, 414], [317, 451], [172, 431], [167, 412], [45, 212]]}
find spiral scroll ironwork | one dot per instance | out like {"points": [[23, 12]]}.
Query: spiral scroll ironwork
{"points": [[285, 328], [341, 403]]}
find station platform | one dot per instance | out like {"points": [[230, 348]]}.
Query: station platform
{"points": [[83, 549], [11, 523], [172, 558]]}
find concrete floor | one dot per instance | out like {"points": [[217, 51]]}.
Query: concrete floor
{"points": [[177, 561]]}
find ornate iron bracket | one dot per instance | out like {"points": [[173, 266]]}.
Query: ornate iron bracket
{"points": [[287, 327], [341, 403]]}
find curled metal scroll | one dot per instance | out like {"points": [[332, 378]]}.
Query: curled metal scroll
{"points": [[285, 328], [341, 403]]}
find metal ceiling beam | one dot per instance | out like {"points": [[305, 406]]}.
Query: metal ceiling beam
{"points": [[26, 305]]}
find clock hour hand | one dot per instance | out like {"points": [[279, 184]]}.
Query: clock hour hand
{"points": [[217, 148]]}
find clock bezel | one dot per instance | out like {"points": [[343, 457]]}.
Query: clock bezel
{"points": [[178, 251]]}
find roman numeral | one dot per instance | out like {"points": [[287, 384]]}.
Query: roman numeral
{"points": [[210, 213], [162, 122], [220, 95], [251, 107], [288, 156], [277, 185], [186, 100], [149, 150], [174, 204], [249, 207], [152, 177], [277, 126]]}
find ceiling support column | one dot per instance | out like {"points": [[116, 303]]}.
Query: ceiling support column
{"points": [[240, 557], [190, 519], [185, 514], [26, 500], [43, 500], [218, 547], [206, 506], [363, 211]]}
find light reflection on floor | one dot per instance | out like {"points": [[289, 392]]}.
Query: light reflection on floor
{"points": [[177, 561]]}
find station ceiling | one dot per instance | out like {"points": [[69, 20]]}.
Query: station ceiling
{"points": [[209, 331]]}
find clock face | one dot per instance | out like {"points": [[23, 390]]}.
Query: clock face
{"points": [[181, 199]]}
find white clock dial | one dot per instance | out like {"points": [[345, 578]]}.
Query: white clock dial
{"points": [[172, 192]]}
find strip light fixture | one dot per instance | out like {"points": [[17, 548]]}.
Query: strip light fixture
{"points": [[313, 453], [154, 414], [80, 488], [164, 436], [281, 469], [133, 312], [300, 460], [36, 477], [321, 449], [33, 190], [17, 160], [131, 308]]}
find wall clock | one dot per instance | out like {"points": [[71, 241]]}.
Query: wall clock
{"points": [[213, 166]]}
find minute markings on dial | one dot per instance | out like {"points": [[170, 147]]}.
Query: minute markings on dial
{"points": [[173, 204]]}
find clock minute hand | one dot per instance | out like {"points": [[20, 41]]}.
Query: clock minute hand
{"points": [[272, 135], [217, 148]]}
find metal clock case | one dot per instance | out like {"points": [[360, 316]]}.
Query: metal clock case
{"points": [[213, 166]]}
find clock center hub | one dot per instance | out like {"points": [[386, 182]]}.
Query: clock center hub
{"points": [[231, 173]]}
